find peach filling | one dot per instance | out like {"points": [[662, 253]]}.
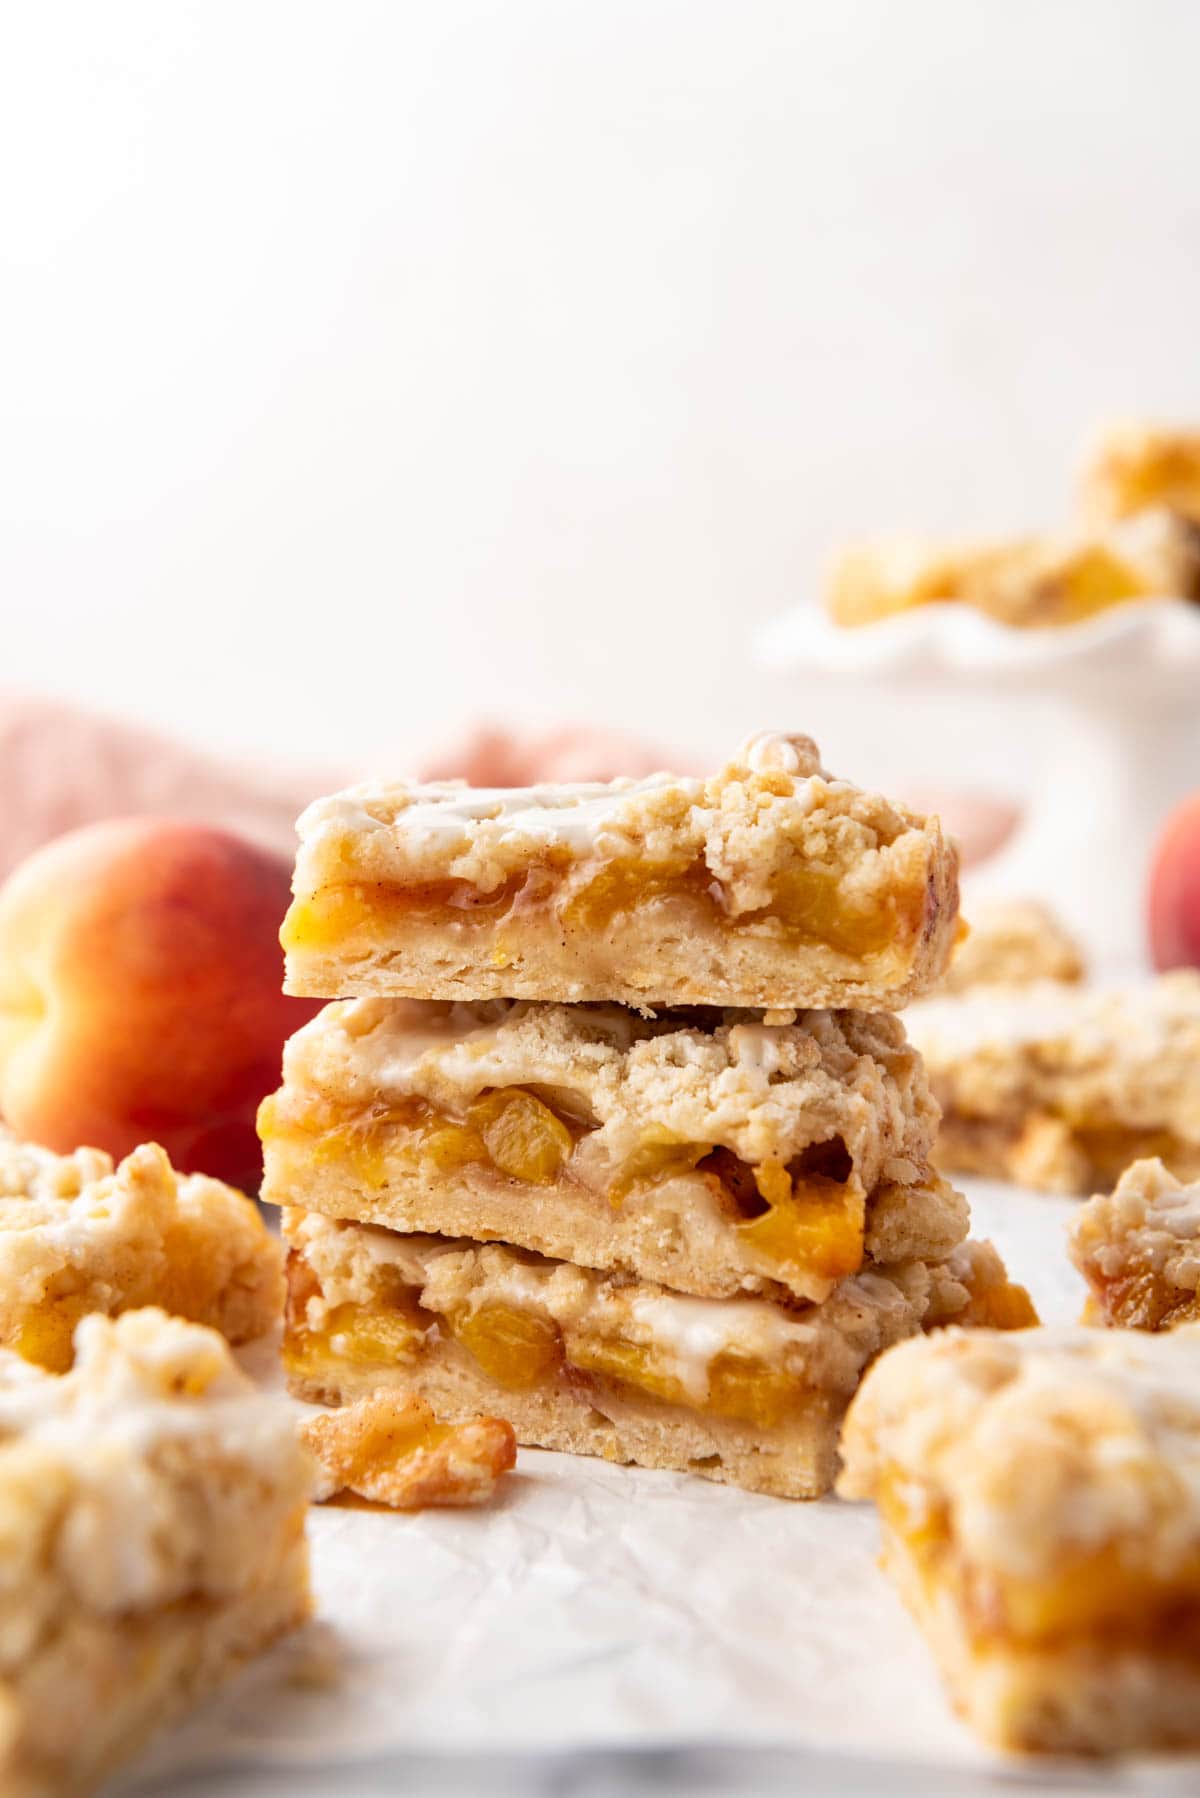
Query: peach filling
{"points": [[802, 1218], [521, 1348], [1166, 474], [796, 1219], [390, 1331], [1004, 1306], [809, 906], [518, 1349], [508, 1129], [1142, 1300], [1105, 1592]]}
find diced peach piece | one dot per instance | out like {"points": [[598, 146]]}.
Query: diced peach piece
{"points": [[140, 993], [391, 1448]]}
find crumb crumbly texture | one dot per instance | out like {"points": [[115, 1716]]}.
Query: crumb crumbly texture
{"points": [[152, 1504], [1138, 1248], [391, 1447], [1061, 1088], [771, 884], [740, 1390], [1039, 1493], [1014, 942], [593, 1134], [1026, 583], [78, 1235], [972, 1288]]}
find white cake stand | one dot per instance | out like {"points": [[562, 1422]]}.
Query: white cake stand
{"points": [[1098, 723]]}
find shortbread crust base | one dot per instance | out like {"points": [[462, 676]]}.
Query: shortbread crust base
{"points": [[794, 1460], [104, 1687], [1086, 1697], [652, 957]]}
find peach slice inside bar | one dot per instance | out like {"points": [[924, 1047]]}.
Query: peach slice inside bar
{"points": [[806, 908]]}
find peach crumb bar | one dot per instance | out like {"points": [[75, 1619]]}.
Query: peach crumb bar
{"points": [[154, 1505], [769, 884], [1134, 468], [708, 1151], [1038, 1497], [78, 1235], [1013, 942], [740, 1390], [1061, 1088], [1138, 1248], [1029, 583]]}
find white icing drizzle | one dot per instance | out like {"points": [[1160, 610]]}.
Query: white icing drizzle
{"points": [[447, 815], [693, 1332], [139, 1380], [756, 1046], [690, 1331]]}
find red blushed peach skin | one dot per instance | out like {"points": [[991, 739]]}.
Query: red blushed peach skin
{"points": [[1174, 900], [140, 976]]}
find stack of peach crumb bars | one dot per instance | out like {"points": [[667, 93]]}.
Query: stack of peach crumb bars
{"points": [[612, 1130]]}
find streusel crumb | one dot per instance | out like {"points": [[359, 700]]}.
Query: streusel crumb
{"points": [[78, 1235]]}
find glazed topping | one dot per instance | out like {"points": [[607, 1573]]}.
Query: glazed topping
{"points": [[1041, 1444]]}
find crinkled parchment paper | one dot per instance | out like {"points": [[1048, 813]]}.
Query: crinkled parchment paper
{"points": [[608, 1609]]}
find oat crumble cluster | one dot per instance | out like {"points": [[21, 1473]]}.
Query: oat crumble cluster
{"points": [[1138, 1248]]}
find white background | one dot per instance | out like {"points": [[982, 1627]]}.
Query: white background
{"points": [[369, 368]]}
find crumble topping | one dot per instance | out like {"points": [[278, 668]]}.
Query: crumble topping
{"points": [[1148, 1226], [74, 1229], [1043, 1444], [38, 1176], [760, 1090], [148, 1474], [772, 806]]}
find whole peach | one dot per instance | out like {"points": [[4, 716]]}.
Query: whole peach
{"points": [[1174, 898], [140, 976]]}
